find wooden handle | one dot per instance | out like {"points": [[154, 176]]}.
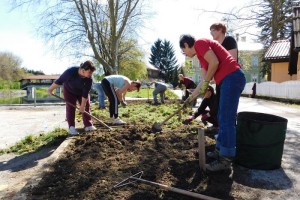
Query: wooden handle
{"points": [[177, 111], [177, 190], [201, 147], [102, 123]]}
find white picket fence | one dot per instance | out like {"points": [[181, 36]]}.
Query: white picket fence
{"points": [[287, 90]]}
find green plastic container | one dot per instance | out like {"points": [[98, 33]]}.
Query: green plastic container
{"points": [[260, 140]]}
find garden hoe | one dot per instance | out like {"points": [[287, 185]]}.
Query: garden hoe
{"points": [[156, 127], [95, 118], [137, 177]]}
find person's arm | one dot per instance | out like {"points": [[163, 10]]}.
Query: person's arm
{"points": [[122, 90], [234, 53], [52, 87], [83, 104], [213, 64], [201, 108]]}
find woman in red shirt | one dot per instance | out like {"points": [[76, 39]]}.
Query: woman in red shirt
{"points": [[216, 62]]}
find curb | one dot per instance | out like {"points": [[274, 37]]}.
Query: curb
{"points": [[22, 194]]}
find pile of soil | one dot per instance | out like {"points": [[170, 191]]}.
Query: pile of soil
{"points": [[96, 162]]}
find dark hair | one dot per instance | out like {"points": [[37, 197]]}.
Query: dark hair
{"points": [[88, 65], [219, 26], [137, 84], [211, 89], [190, 40]]}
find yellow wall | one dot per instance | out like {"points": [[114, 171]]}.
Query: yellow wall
{"points": [[280, 72]]}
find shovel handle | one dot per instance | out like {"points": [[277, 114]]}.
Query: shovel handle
{"points": [[95, 118], [177, 190], [177, 111]]}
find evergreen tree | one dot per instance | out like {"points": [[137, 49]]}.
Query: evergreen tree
{"points": [[156, 54], [163, 58], [169, 61]]}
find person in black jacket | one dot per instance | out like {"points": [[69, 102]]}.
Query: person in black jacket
{"points": [[209, 101]]}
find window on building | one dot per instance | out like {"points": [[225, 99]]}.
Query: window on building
{"points": [[255, 60]]}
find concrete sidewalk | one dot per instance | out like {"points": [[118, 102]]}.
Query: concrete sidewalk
{"points": [[19, 121]]}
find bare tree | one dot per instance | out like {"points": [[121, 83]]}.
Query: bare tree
{"points": [[92, 28], [10, 67]]}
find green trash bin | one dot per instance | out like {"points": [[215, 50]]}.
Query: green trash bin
{"points": [[260, 140]]}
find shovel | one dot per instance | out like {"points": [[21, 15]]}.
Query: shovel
{"points": [[156, 127], [137, 177], [95, 118]]}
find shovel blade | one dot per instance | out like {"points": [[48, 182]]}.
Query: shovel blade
{"points": [[156, 127]]}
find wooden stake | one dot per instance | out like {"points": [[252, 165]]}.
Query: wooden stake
{"points": [[201, 146]]}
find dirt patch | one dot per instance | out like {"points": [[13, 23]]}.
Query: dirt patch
{"points": [[95, 162]]}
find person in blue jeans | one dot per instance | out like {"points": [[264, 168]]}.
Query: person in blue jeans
{"points": [[101, 95], [218, 64], [160, 88]]}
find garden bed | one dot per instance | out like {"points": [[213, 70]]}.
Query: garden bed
{"points": [[95, 162]]}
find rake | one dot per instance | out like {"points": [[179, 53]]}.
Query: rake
{"points": [[95, 118], [137, 177]]}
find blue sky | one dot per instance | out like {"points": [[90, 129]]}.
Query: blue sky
{"points": [[174, 17]]}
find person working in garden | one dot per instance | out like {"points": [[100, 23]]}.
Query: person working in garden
{"points": [[101, 95], [218, 64], [159, 88], [209, 101], [188, 83], [77, 83], [115, 88]]}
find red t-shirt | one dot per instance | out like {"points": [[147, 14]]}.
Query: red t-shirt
{"points": [[227, 64]]}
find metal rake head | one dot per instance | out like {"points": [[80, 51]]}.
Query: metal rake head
{"points": [[128, 180]]}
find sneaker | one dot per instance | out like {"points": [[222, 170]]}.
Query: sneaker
{"points": [[90, 128], [118, 121], [213, 154], [73, 131], [219, 165]]}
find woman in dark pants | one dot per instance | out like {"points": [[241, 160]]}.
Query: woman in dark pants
{"points": [[115, 88], [209, 101], [77, 83]]}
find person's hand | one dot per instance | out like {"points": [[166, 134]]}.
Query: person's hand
{"points": [[204, 86], [205, 116], [49, 92], [123, 103]]}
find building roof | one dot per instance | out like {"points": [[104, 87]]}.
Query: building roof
{"points": [[279, 51], [41, 77], [151, 67]]}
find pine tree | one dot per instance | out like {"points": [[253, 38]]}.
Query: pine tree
{"points": [[163, 58]]}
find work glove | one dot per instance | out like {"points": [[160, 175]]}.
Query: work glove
{"points": [[204, 86]]}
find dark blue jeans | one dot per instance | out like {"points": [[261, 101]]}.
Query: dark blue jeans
{"points": [[230, 91], [101, 94]]}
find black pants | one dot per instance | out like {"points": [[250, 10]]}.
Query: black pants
{"points": [[112, 98]]}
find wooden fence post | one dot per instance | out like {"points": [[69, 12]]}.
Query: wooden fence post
{"points": [[201, 147]]}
